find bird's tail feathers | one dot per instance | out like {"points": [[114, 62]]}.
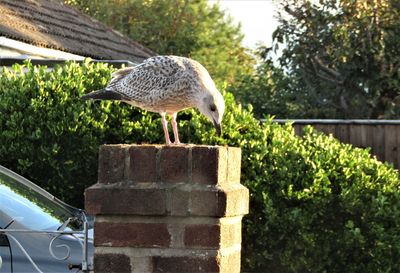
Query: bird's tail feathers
{"points": [[103, 94]]}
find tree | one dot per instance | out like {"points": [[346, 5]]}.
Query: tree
{"points": [[272, 91], [346, 53], [179, 27]]}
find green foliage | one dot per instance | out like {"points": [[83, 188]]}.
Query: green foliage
{"points": [[319, 206], [51, 136], [316, 205], [179, 27], [346, 53]]}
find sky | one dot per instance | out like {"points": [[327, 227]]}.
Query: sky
{"points": [[256, 17]]}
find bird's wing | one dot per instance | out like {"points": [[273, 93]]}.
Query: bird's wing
{"points": [[151, 79], [120, 73]]}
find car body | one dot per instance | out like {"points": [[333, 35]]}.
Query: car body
{"points": [[36, 225]]}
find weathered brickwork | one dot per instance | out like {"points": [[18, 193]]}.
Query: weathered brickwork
{"points": [[167, 209]]}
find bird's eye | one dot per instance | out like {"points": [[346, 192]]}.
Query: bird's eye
{"points": [[212, 107]]}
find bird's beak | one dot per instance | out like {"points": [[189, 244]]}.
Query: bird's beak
{"points": [[218, 128]]}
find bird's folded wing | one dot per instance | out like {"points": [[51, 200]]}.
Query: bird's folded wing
{"points": [[120, 73], [150, 79]]}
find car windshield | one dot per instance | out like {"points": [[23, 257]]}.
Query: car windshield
{"points": [[23, 205]]}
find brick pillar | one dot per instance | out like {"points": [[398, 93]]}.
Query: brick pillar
{"points": [[167, 209]]}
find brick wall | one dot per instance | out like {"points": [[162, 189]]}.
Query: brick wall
{"points": [[167, 209]]}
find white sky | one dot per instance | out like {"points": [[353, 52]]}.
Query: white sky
{"points": [[256, 17]]}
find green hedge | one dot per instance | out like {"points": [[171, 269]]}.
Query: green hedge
{"points": [[317, 205]]}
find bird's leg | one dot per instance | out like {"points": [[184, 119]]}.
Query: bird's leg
{"points": [[165, 128], [175, 129]]}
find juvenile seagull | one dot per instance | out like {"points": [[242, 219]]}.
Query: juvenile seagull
{"points": [[166, 85]]}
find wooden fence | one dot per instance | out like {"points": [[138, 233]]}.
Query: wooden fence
{"points": [[382, 136]]}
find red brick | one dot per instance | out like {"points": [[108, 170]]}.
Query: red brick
{"points": [[185, 264], [207, 184], [153, 235], [179, 202], [174, 164], [143, 163], [234, 165], [206, 203], [201, 235], [119, 200], [227, 201], [230, 263], [237, 200], [111, 163], [209, 164], [231, 233], [111, 263], [213, 236]]}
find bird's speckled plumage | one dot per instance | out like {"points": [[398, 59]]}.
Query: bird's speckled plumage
{"points": [[165, 84]]}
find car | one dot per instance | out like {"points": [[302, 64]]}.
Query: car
{"points": [[40, 233]]}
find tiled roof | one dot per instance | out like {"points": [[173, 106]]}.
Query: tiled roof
{"points": [[52, 24]]}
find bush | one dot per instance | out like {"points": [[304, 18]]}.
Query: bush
{"points": [[316, 205], [51, 136], [319, 206]]}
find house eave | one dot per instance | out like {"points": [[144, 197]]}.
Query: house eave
{"points": [[9, 61], [24, 50]]}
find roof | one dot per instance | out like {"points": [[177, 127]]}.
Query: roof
{"points": [[52, 24]]}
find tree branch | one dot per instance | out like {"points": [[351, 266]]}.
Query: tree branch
{"points": [[335, 76]]}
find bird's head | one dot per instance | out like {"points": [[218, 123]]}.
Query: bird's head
{"points": [[212, 105], [210, 102]]}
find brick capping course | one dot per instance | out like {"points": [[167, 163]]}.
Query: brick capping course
{"points": [[167, 208], [160, 163]]}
